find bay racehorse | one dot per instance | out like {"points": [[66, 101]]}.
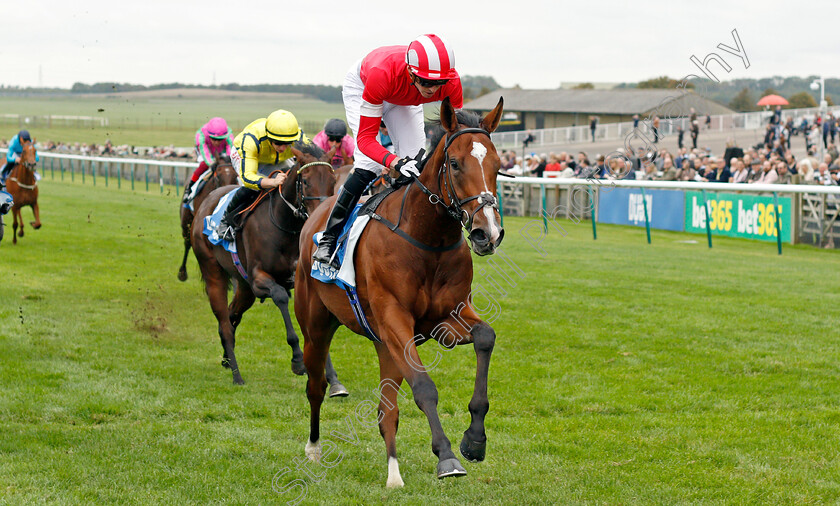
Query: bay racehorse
{"points": [[267, 247], [222, 174], [414, 285], [23, 187]]}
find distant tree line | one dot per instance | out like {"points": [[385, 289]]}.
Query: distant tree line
{"points": [[742, 94], [319, 91], [474, 86]]}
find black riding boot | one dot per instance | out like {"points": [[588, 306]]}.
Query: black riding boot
{"points": [[242, 198], [188, 191], [347, 198], [194, 190]]}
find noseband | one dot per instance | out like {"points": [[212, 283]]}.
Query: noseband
{"points": [[299, 208], [455, 208]]}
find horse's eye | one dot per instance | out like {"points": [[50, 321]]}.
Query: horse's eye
{"points": [[454, 165]]}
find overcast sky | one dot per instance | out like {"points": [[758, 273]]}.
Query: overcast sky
{"points": [[536, 44]]}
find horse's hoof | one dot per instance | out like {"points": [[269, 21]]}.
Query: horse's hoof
{"points": [[338, 390], [473, 450], [182, 275], [313, 450], [298, 367], [36, 227], [237, 378], [450, 467]]}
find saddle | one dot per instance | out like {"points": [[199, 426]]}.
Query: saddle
{"points": [[252, 200]]}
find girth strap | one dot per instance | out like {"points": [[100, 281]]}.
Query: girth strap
{"points": [[360, 314], [414, 242]]}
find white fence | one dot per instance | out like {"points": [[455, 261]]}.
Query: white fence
{"points": [[614, 131], [151, 172], [816, 208], [51, 120]]}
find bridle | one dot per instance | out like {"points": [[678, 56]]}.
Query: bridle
{"points": [[299, 207], [28, 165], [215, 173], [455, 207]]}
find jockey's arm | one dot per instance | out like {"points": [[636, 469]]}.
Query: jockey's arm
{"points": [[368, 138]]}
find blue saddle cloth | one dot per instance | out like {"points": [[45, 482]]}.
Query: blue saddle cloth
{"points": [[325, 272], [211, 223]]}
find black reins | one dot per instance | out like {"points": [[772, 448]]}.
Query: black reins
{"points": [[299, 207], [454, 209]]}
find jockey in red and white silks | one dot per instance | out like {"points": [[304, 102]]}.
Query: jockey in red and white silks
{"points": [[390, 85]]}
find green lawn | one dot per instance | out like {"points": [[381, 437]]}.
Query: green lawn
{"points": [[145, 121], [156, 121], [623, 373]]}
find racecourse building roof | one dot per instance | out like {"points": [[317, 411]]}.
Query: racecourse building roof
{"points": [[625, 101]]}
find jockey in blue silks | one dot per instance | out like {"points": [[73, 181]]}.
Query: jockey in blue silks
{"points": [[13, 155]]}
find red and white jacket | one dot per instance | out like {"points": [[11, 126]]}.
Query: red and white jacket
{"points": [[387, 79]]}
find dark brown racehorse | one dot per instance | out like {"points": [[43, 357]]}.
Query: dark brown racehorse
{"points": [[223, 174], [415, 283], [23, 187], [268, 251]]}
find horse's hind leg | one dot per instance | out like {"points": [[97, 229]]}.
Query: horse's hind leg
{"points": [[474, 443], [216, 288], [336, 388], [242, 301], [318, 328], [390, 381], [37, 212]]}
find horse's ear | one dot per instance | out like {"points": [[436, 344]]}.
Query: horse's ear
{"points": [[491, 121], [298, 153], [447, 116]]}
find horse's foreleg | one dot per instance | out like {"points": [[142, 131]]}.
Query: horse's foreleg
{"points": [[37, 212], [182, 271], [390, 381], [397, 334], [15, 219], [474, 443], [186, 226]]}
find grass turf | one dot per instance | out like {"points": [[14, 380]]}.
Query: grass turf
{"points": [[622, 373]]}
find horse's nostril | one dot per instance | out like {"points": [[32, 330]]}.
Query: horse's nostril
{"points": [[501, 236], [478, 236]]}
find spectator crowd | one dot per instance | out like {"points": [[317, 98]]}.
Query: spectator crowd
{"points": [[769, 162]]}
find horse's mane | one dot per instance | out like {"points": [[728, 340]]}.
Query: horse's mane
{"points": [[465, 118], [309, 147]]}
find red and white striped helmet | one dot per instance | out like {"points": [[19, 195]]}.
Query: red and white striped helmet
{"points": [[431, 57]]}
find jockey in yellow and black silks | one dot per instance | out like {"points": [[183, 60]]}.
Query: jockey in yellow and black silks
{"points": [[264, 143]]}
